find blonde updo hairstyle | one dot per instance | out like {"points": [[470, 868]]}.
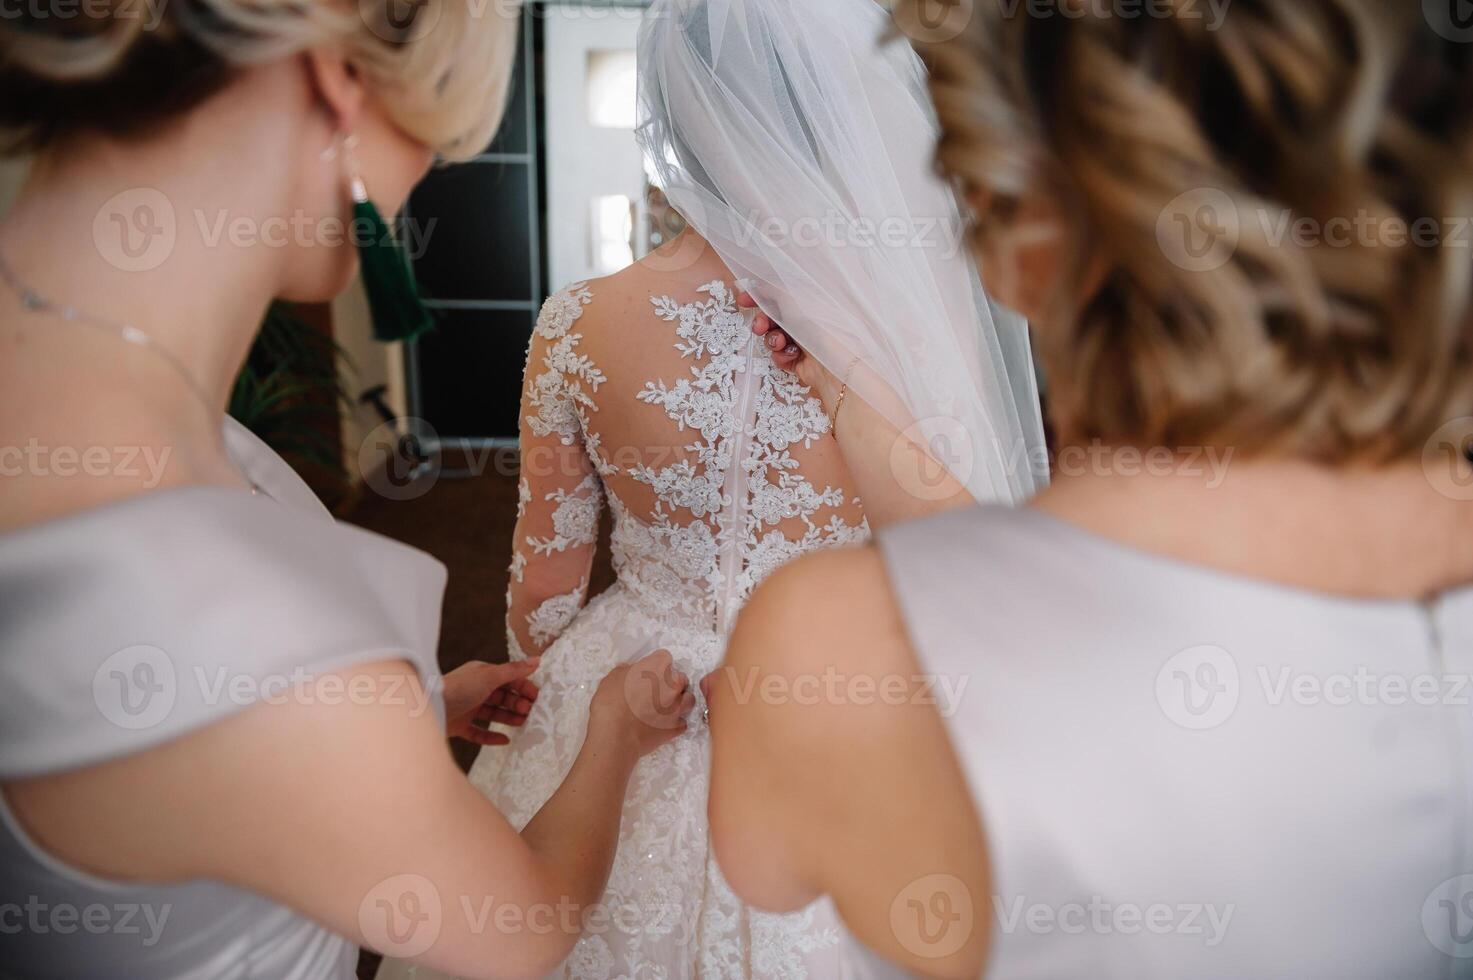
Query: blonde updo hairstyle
{"points": [[1347, 350], [442, 68]]}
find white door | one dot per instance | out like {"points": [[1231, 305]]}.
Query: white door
{"points": [[596, 180]]}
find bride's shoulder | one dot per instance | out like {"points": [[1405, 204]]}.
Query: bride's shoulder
{"points": [[686, 271], [587, 302]]}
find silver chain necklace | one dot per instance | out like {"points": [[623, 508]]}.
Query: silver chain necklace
{"points": [[34, 302]]}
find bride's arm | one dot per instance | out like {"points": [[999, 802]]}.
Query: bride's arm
{"points": [[888, 466], [354, 813], [560, 501]]}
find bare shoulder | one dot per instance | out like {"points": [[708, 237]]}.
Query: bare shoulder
{"points": [[615, 298], [826, 739], [677, 270]]}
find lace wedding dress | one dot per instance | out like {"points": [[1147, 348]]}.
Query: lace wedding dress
{"points": [[718, 468]]}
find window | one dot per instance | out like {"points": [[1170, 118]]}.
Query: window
{"points": [[612, 82]]}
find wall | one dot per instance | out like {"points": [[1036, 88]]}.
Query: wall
{"points": [[12, 174], [366, 363]]}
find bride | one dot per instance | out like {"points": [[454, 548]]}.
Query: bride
{"points": [[646, 393]]}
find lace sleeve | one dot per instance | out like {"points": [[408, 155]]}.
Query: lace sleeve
{"points": [[560, 497]]}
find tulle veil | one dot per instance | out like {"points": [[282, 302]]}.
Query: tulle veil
{"points": [[798, 139]]}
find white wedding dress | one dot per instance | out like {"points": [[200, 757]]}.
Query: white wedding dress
{"points": [[718, 468]]}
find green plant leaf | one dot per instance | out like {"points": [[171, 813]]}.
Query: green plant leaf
{"points": [[290, 387]]}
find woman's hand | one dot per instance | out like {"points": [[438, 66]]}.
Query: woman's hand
{"points": [[787, 355], [875, 450], [480, 693], [644, 705]]}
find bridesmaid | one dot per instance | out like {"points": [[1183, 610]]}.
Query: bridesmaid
{"points": [[1201, 710], [222, 731]]}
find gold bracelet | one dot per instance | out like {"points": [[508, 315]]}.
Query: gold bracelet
{"points": [[839, 402]]}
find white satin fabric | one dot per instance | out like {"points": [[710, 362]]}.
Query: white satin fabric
{"points": [[127, 626], [1187, 773]]}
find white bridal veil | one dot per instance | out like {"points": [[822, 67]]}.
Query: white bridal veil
{"points": [[800, 145]]}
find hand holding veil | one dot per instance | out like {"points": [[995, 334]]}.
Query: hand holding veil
{"points": [[799, 144]]}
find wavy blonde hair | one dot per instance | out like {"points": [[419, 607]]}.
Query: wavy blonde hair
{"points": [[442, 67], [1289, 115]]}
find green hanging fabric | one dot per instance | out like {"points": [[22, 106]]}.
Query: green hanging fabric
{"points": [[393, 295]]}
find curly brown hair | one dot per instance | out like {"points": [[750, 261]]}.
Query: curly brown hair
{"points": [[1326, 144]]}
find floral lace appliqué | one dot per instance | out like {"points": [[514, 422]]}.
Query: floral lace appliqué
{"points": [[547, 621], [575, 522], [714, 333], [729, 508], [570, 379]]}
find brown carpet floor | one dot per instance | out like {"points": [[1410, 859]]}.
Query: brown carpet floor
{"points": [[466, 523]]}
